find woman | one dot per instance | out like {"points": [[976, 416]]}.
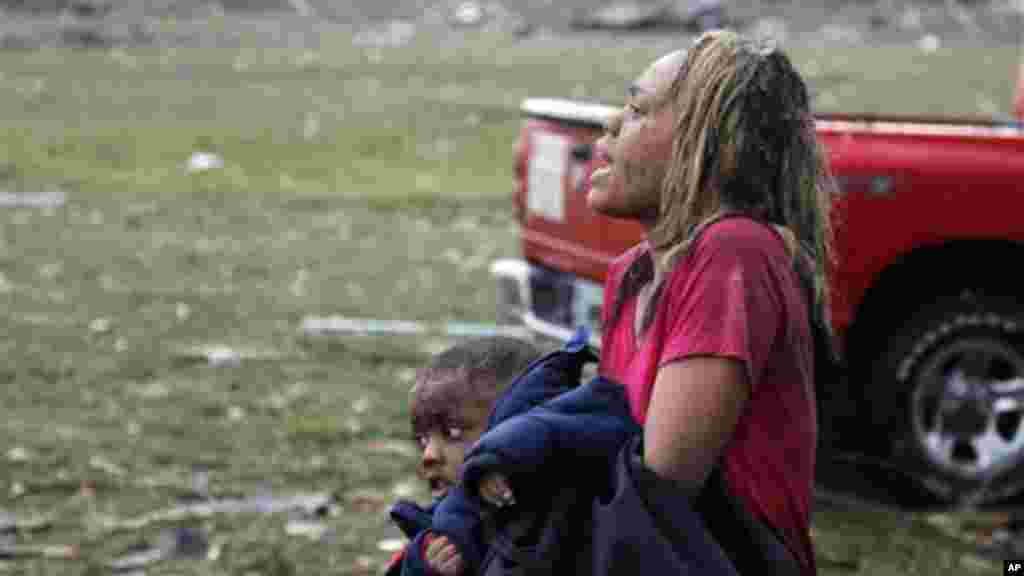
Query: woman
{"points": [[705, 321]]}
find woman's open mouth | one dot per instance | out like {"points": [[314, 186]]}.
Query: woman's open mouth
{"points": [[600, 175]]}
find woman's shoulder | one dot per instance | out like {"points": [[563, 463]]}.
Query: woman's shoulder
{"points": [[739, 231], [740, 238]]}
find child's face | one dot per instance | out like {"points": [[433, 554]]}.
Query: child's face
{"points": [[447, 419]]}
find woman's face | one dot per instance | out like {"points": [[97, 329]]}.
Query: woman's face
{"points": [[637, 147]]}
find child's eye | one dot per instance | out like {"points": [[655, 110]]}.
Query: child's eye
{"points": [[633, 110], [455, 433], [421, 441]]}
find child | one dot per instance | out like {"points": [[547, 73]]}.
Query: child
{"points": [[548, 437], [450, 404]]}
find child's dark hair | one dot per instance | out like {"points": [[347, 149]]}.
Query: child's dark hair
{"points": [[476, 370]]}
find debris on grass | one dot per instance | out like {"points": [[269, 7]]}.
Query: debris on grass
{"points": [[315, 531], [14, 524], [367, 501], [393, 447], [405, 489], [467, 14], [19, 454], [32, 199], [181, 542], [100, 325], [391, 545], [235, 413], [103, 464], [203, 162], [17, 490], [317, 504], [23, 551], [929, 43], [394, 34], [340, 325], [220, 355], [626, 15]]}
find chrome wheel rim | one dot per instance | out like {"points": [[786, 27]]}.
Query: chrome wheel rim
{"points": [[968, 407]]}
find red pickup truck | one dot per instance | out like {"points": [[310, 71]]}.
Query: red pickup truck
{"points": [[923, 306]]}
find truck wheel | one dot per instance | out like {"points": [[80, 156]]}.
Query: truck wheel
{"points": [[959, 422]]}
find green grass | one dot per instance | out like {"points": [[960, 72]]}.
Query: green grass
{"points": [[427, 118], [392, 208]]}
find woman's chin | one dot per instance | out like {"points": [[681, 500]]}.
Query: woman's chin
{"points": [[597, 200]]}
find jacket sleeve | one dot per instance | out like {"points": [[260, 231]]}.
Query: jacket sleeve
{"points": [[410, 518], [577, 432], [460, 518]]}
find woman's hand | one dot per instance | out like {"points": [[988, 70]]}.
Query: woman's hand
{"points": [[442, 557], [494, 490]]}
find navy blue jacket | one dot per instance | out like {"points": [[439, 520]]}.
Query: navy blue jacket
{"points": [[545, 428]]}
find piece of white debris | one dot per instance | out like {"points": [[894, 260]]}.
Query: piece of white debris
{"points": [[203, 161]]}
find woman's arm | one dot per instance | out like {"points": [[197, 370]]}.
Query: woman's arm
{"points": [[694, 409]]}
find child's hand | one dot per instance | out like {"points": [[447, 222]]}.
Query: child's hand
{"points": [[494, 489], [442, 556]]}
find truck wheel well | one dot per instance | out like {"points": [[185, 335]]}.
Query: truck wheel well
{"points": [[926, 273]]}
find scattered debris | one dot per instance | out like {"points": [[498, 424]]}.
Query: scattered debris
{"points": [[928, 43], [103, 464], [100, 325], [17, 490], [19, 454], [626, 15], [13, 524], [301, 7], [314, 504], [340, 325], [704, 14], [468, 14], [698, 15], [393, 447], [774, 29], [223, 356], [182, 542], [17, 551], [487, 16], [406, 489], [391, 545], [394, 34], [203, 161], [367, 501], [316, 531], [90, 8], [32, 199]]}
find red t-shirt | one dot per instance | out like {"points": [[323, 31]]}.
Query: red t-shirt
{"points": [[735, 295]]}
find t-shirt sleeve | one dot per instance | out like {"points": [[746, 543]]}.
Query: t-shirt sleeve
{"points": [[724, 304]]}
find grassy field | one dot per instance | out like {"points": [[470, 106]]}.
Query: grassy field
{"points": [[368, 182]]}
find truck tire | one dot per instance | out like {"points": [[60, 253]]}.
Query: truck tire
{"points": [[957, 368]]}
